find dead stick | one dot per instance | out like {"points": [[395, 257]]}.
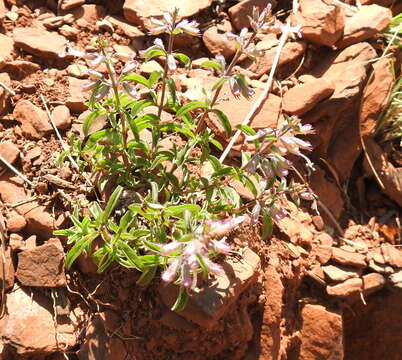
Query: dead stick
{"points": [[263, 96]]}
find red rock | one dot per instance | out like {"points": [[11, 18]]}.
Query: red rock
{"points": [[77, 96], [88, 14], [4, 94], [364, 24], [389, 174], [42, 266], [321, 334], [40, 221], [61, 117], [9, 152], [376, 95], [290, 52], [346, 288], [16, 223], [99, 345], [208, 305], [239, 13], [11, 188], [29, 327], [21, 68], [216, 41], [6, 47], [348, 258], [34, 121], [372, 283], [70, 4], [39, 42], [138, 12], [325, 239], [3, 10], [9, 270], [392, 255], [338, 126], [128, 29], [321, 20], [237, 109], [323, 253], [328, 193], [302, 98], [338, 273]]}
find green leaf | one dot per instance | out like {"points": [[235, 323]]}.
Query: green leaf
{"points": [[216, 164], [181, 301], [212, 64], [151, 53], [137, 78], [246, 129], [267, 226], [147, 276], [111, 204], [131, 255], [172, 88], [223, 172], [179, 209], [153, 78], [183, 58], [79, 247], [203, 265], [225, 122], [190, 107], [219, 84]]}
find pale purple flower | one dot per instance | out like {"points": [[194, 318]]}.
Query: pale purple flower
{"points": [[187, 278], [190, 28], [290, 144], [306, 129], [222, 227], [158, 26], [302, 144], [306, 195], [277, 213], [130, 66], [252, 165], [193, 262], [260, 133], [102, 92], [171, 62], [213, 267], [292, 30], [170, 247], [191, 248], [129, 89], [255, 213], [123, 56], [170, 273], [91, 85], [98, 60], [267, 168], [221, 246], [94, 74]]}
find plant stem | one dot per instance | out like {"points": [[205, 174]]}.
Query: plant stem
{"points": [[121, 112], [201, 123], [165, 74]]}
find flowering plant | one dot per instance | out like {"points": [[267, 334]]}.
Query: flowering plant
{"points": [[162, 213]]}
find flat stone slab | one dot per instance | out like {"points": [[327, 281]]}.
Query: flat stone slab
{"points": [[208, 305]]}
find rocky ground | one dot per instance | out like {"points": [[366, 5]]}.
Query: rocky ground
{"points": [[324, 287]]}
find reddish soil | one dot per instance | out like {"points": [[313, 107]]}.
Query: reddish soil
{"points": [[328, 286]]}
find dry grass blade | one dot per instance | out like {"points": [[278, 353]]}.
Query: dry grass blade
{"points": [[12, 168], [3, 265]]}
